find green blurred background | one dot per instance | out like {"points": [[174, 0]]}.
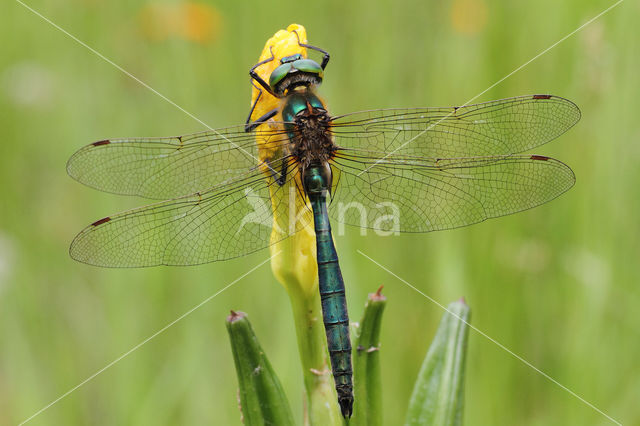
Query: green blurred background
{"points": [[558, 285]]}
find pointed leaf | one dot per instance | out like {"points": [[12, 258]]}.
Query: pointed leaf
{"points": [[262, 399], [438, 395]]}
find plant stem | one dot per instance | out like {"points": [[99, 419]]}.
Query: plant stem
{"points": [[294, 266], [322, 399]]}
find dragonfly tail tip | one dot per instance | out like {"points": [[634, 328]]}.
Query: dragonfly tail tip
{"points": [[346, 406]]}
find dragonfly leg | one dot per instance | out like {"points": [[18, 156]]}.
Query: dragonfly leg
{"points": [[254, 75], [325, 57], [249, 125], [281, 177]]}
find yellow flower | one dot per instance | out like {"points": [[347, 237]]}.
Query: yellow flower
{"points": [[294, 264]]}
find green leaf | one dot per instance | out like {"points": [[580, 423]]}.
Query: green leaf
{"points": [[438, 395], [366, 365], [262, 399]]}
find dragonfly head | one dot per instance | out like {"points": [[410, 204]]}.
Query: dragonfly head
{"points": [[295, 71], [317, 179]]}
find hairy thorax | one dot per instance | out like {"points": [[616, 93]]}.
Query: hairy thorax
{"points": [[312, 142]]}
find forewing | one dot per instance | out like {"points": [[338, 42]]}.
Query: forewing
{"points": [[230, 221], [407, 195], [502, 127], [163, 168]]}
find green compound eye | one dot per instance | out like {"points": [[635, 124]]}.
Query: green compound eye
{"points": [[279, 73], [308, 65]]}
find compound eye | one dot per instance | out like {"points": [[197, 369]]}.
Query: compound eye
{"points": [[310, 66], [278, 74]]}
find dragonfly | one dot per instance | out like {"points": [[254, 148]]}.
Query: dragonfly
{"points": [[435, 168]]}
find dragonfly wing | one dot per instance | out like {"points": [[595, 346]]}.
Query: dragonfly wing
{"points": [[163, 168], [223, 223], [407, 195], [502, 127]]}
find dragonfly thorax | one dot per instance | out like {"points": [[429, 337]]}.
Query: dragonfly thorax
{"points": [[307, 124]]}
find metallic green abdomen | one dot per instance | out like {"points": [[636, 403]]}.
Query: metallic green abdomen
{"points": [[332, 293]]}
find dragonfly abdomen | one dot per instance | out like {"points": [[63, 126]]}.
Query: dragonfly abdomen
{"points": [[334, 303]]}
